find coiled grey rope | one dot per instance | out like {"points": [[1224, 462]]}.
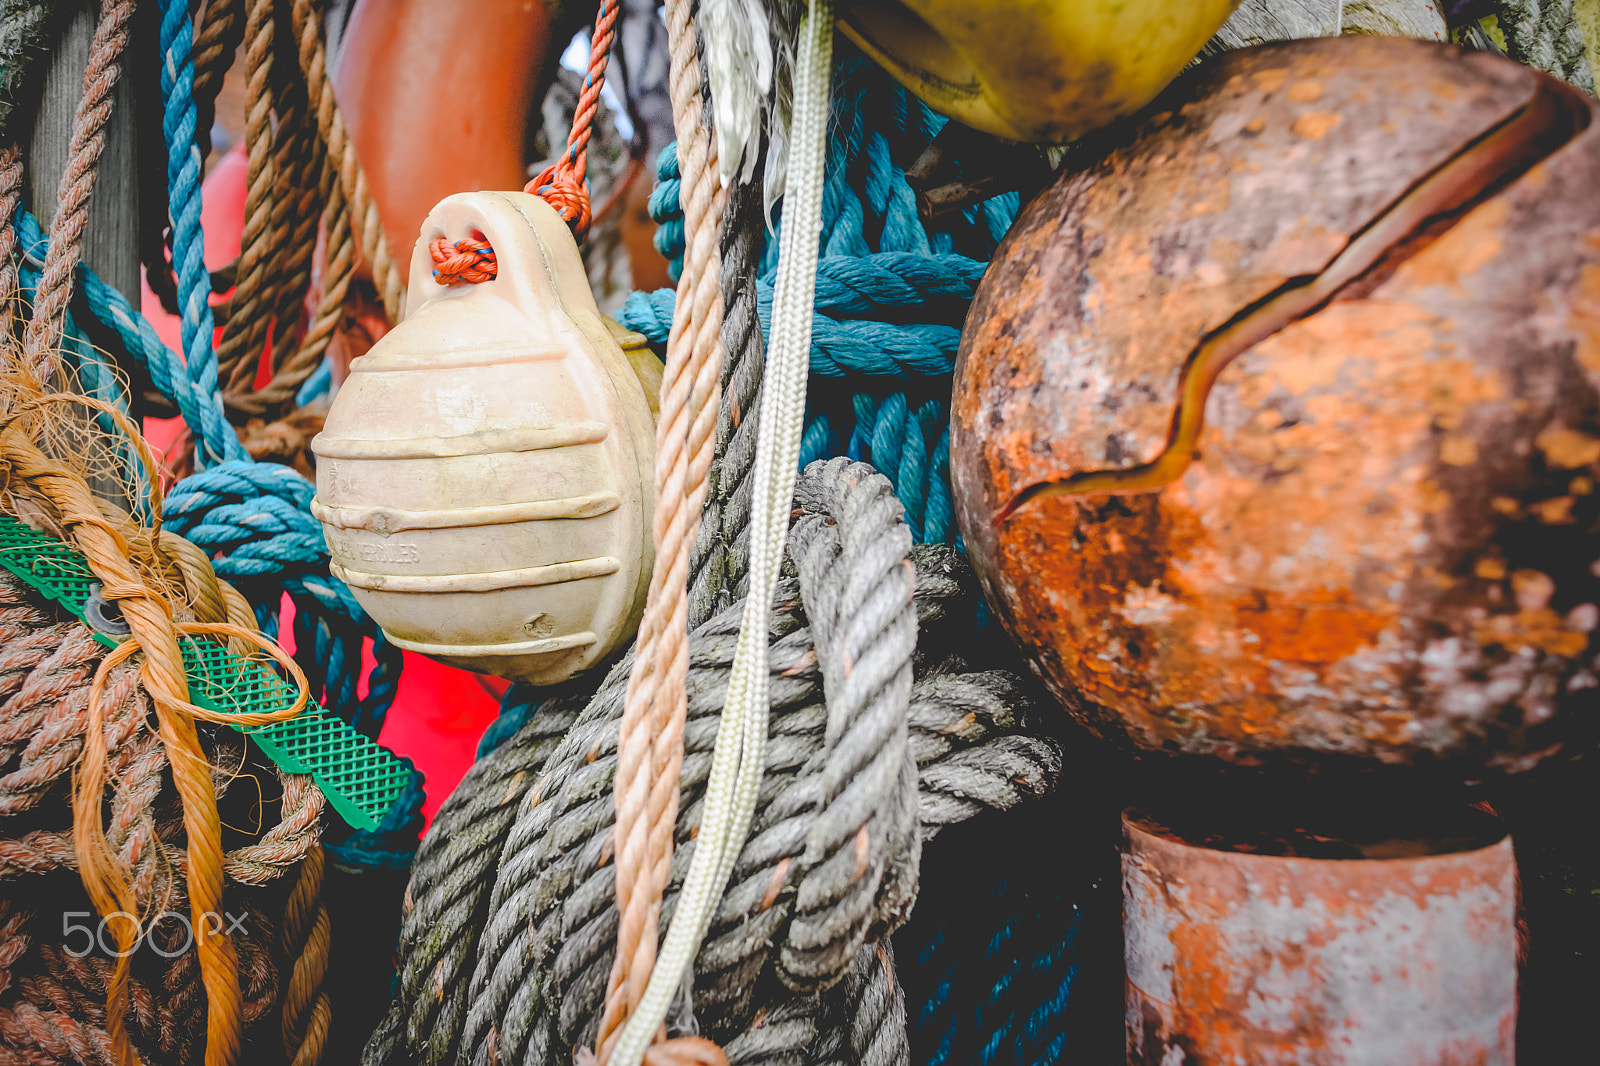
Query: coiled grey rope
{"points": [[544, 955], [446, 900], [543, 940], [861, 851], [860, 1022]]}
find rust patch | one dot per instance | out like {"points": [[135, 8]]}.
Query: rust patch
{"points": [[1314, 125], [1304, 92], [1585, 315], [1458, 451], [1272, 79], [1233, 956], [1566, 449]]}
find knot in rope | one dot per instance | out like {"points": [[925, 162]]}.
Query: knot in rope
{"points": [[563, 187], [470, 259]]}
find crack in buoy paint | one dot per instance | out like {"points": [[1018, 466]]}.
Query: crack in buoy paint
{"points": [[1503, 154]]}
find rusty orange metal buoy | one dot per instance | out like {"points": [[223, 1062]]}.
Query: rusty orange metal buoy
{"points": [[1276, 429]]}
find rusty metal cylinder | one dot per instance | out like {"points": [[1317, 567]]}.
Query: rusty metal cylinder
{"points": [[1304, 948]]}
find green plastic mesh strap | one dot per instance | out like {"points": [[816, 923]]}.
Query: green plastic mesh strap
{"points": [[361, 779]]}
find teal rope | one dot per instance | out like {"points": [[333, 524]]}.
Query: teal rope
{"points": [[891, 294], [214, 439]]}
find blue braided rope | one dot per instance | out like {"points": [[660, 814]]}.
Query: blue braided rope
{"points": [[891, 293], [214, 439], [998, 981], [383, 684], [867, 290], [665, 212]]}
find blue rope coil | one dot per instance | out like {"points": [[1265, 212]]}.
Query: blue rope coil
{"points": [[891, 294]]}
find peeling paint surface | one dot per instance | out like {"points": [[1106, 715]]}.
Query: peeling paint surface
{"points": [[1336, 575], [1260, 960]]}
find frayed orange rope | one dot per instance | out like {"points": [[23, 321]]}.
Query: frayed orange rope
{"points": [[157, 635]]}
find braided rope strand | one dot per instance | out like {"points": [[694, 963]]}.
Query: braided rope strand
{"points": [[10, 200], [370, 237], [77, 185], [718, 570], [246, 323], [301, 192], [195, 389], [563, 183], [338, 271], [303, 939], [218, 37]]}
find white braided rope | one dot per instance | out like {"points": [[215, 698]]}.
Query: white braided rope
{"points": [[740, 753]]}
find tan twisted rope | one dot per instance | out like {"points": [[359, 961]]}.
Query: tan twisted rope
{"points": [[216, 39], [338, 254], [335, 138], [304, 939], [77, 185], [650, 751], [296, 210], [338, 271], [10, 198], [246, 324]]}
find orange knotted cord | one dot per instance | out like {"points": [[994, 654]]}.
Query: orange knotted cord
{"points": [[563, 184]]}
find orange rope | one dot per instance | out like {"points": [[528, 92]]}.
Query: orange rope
{"points": [[471, 261], [563, 184]]}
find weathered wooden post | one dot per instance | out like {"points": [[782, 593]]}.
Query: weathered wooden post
{"points": [[111, 242]]}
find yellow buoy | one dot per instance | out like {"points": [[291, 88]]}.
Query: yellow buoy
{"points": [[1045, 71]]}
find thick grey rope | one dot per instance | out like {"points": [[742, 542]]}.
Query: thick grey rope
{"points": [[1545, 35], [851, 546], [447, 897], [949, 712], [859, 1022], [505, 992], [719, 567], [552, 914]]}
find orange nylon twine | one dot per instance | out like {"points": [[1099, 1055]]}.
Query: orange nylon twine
{"points": [[563, 184]]}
